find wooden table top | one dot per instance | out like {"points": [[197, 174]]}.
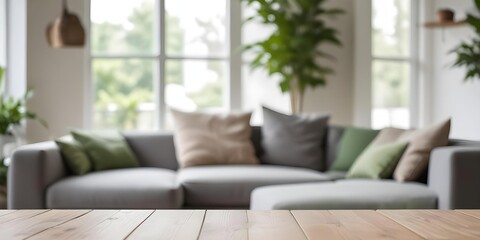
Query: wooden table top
{"points": [[239, 224]]}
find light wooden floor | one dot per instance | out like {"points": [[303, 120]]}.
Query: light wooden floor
{"points": [[239, 224]]}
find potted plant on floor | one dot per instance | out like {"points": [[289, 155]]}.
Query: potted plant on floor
{"points": [[468, 53], [293, 50]]}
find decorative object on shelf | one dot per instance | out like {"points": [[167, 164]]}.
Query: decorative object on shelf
{"points": [[445, 15], [292, 51], [468, 53], [12, 114], [66, 30]]}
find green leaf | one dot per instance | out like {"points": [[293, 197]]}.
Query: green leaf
{"points": [[477, 2], [474, 22], [285, 86]]}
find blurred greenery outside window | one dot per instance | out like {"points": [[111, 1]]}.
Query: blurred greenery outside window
{"points": [[144, 50], [391, 66]]}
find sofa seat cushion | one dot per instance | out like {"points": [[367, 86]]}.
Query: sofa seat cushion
{"points": [[145, 188], [230, 186], [345, 194]]}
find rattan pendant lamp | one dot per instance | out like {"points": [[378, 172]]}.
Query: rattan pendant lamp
{"points": [[66, 30]]}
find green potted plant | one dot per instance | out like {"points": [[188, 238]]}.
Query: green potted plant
{"points": [[293, 50], [468, 53]]}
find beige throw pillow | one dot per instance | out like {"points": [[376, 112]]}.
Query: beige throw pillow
{"points": [[387, 136], [211, 139], [415, 159]]}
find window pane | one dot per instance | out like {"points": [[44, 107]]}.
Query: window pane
{"points": [[124, 96], [195, 28], [259, 89], [123, 27], [391, 87], [194, 84], [391, 28]]}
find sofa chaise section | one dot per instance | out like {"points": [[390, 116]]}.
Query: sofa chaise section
{"points": [[453, 178], [345, 194]]}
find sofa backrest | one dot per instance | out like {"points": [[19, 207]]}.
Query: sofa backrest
{"points": [[153, 149], [158, 149]]}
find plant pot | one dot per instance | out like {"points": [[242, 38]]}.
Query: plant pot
{"points": [[445, 15]]}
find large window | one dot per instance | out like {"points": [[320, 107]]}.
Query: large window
{"points": [[149, 55], [392, 63]]}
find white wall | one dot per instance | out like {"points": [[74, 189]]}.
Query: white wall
{"points": [[56, 74], [451, 96], [337, 97], [362, 86]]}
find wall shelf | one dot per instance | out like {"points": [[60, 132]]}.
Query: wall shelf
{"points": [[445, 24]]}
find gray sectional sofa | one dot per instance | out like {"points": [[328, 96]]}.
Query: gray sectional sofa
{"points": [[39, 179]]}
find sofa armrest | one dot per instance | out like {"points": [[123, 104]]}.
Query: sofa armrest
{"points": [[454, 173], [33, 167]]}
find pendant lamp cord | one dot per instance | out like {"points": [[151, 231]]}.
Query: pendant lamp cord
{"points": [[65, 7]]}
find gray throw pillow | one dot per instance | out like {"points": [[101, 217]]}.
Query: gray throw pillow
{"points": [[293, 140]]}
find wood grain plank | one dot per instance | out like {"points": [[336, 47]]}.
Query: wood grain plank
{"points": [[225, 224], [5, 212], [277, 225], [171, 224], [20, 215], [473, 213], [76, 227], [26, 227], [434, 224], [117, 226], [347, 224]]}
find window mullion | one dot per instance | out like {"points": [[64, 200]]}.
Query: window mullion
{"points": [[414, 69], [234, 89], [160, 96], [88, 87]]}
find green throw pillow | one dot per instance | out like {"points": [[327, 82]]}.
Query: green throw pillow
{"points": [[106, 150], [352, 144], [74, 156], [378, 161]]}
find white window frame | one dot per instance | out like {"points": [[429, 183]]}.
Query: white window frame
{"points": [[4, 38], [233, 85], [364, 59]]}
